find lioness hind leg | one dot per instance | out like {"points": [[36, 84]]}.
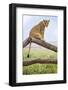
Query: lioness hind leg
{"points": [[38, 36]]}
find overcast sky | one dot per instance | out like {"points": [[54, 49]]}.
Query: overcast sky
{"points": [[28, 21]]}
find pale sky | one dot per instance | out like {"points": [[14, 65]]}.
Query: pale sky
{"points": [[51, 33]]}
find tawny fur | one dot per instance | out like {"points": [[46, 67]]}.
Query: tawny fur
{"points": [[37, 32]]}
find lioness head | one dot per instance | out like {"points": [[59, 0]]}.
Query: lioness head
{"points": [[46, 22]]}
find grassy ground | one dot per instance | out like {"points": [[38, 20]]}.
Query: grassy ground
{"points": [[39, 68]]}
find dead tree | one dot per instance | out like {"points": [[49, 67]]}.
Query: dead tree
{"points": [[40, 61], [41, 43]]}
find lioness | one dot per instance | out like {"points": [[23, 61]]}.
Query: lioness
{"points": [[37, 32]]}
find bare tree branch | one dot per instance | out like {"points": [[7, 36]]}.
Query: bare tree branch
{"points": [[41, 43], [40, 61], [26, 42]]}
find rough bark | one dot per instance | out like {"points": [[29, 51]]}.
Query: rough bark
{"points": [[41, 43], [40, 61]]}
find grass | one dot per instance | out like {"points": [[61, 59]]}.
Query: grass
{"points": [[39, 53], [39, 68]]}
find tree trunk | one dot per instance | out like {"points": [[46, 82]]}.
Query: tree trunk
{"points": [[40, 61], [41, 43]]}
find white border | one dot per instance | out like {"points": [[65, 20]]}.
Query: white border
{"points": [[42, 77]]}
